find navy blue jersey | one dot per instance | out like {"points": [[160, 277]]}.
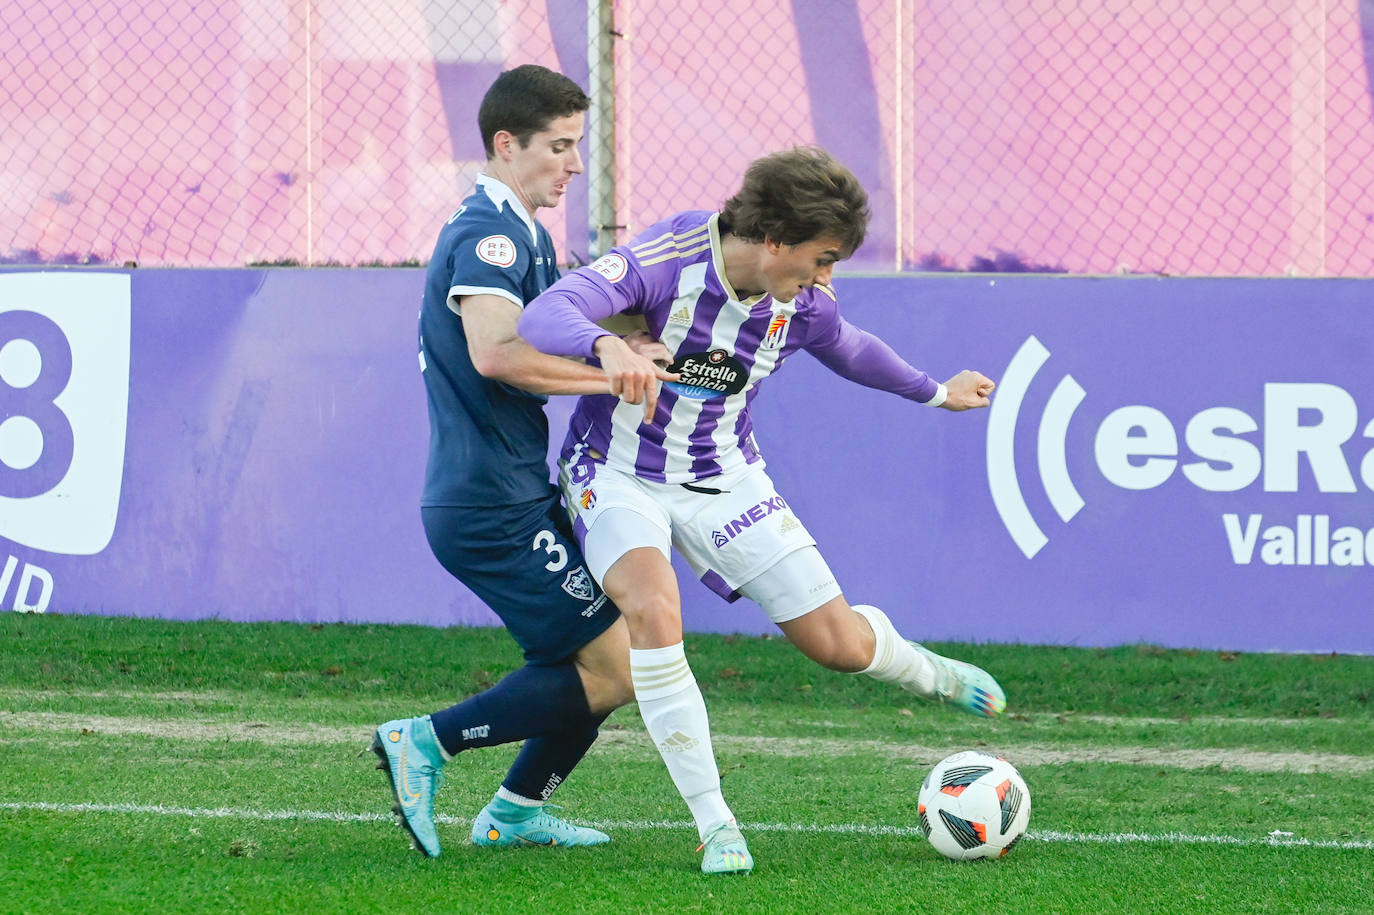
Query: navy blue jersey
{"points": [[488, 441]]}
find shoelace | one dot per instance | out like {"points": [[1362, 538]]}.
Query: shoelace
{"points": [[545, 819], [713, 833], [438, 776]]}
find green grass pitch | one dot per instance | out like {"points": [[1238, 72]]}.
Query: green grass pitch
{"points": [[153, 766]]}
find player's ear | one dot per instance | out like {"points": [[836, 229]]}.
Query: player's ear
{"points": [[772, 245], [503, 143]]}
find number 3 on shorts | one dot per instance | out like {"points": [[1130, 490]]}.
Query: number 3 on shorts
{"points": [[546, 541]]}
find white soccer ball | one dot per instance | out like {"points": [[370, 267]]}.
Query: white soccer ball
{"points": [[974, 805]]}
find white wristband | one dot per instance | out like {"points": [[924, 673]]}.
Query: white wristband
{"points": [[940, 394]]}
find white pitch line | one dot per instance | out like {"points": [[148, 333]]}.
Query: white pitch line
{"points": [[1036, 835]]}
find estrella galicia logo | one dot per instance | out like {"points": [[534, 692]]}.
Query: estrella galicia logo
{"points": [[64, 398], [708, 376], [1138, 447]]}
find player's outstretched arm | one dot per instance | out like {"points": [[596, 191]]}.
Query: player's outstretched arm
{"points": [[498, 353], [967, 391]]}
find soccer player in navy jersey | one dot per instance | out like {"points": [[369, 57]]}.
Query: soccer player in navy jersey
{"points": [[490, 512], [732, 295]]}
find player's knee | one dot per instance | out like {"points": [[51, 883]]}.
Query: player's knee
{"points": [[653, 610], [605, 694], [604, 666]]}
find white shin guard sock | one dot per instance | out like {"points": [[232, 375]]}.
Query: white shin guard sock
{"points": [[894, 660], [674, 712]]}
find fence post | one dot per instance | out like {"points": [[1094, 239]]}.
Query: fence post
{"points": [[601, 129]]}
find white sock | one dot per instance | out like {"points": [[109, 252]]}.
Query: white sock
{"points": [[894, 660], [517, 799], [675, 714]]}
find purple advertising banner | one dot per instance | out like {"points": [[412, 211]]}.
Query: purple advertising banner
{"points": [[1183, 462]]}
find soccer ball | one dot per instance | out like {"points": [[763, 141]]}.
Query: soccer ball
{"points": [[974, 805]]}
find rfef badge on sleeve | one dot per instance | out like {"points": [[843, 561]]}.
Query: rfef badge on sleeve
{"points": [[64, 403]]}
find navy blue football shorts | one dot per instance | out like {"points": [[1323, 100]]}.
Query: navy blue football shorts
{"points": [[524, 562]]}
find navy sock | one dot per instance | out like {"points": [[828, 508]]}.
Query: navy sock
{"points": [[544, 762], [527, 703]]}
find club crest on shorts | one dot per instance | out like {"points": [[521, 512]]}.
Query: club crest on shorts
{"points": [[578, 583]]}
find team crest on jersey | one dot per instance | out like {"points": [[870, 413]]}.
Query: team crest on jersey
{"points": [[777, 331], [497, 250], [588, 500], [578, 583], [612, 266], [708, 376]]}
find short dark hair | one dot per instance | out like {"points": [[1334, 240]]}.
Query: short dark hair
{"points": [[798, 195], [524, 100]]}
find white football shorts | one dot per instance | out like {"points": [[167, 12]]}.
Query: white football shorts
{"points": [[738, 535]]}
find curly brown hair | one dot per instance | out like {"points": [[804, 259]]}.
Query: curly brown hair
{"points": [[796, 196]]}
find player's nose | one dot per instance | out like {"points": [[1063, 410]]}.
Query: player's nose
{"points": [[574, 163], [823, 275]]}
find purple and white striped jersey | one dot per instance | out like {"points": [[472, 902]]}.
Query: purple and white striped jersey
{"points": [[672, 276]]}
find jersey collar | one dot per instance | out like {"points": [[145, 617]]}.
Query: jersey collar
{"points": [[502, 195], [718, 262]]}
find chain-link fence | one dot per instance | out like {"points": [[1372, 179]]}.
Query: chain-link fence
{"points": [[1205, 137], [195, 133]]}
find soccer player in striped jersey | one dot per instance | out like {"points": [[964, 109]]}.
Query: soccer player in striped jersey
{"points": [[490, 512], [732, 294]]}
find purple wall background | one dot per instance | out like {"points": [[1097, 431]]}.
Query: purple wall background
{"points": [[276, 439]]}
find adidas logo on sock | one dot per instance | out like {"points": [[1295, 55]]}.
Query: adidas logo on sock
{"points": [[678, 742]]}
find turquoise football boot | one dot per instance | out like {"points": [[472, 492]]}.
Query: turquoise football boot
{"points": [[409, 754], [964, 686], [496, 827], [725, 851]]}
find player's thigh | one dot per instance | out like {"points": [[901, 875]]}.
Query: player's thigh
{"points": [[796, 585], [644, 586], [614, 513], [525, 564], [737, 531]]}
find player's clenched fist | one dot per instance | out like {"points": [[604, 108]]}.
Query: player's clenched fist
{"points": [[632, 377], [968, 390]]}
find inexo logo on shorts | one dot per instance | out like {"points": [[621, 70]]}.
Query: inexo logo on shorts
{"points": [[64, 399]]}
